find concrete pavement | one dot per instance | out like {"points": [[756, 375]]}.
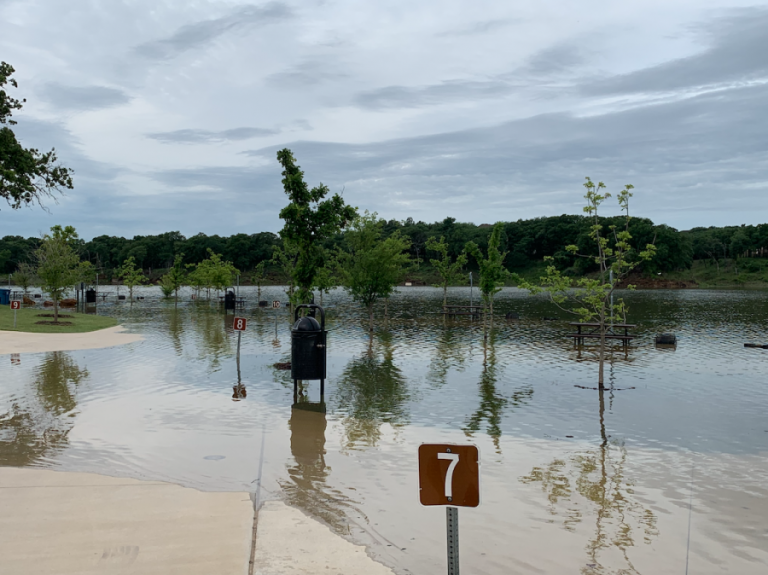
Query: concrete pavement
{"points": [[61, 523]]}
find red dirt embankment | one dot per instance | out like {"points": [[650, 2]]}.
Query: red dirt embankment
{"points": [[641, 282]]}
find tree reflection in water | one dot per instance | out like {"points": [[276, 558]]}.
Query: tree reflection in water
{"points": [[492, 403], [37, 425], [308, 472], [176, 329], [372, 391], [213, 326], [599, 477], [449, 352]]}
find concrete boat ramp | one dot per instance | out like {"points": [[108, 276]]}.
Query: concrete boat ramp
{"points": [[62, 523]]}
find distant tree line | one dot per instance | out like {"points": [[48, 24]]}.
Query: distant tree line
{"points": [[526, 241]]}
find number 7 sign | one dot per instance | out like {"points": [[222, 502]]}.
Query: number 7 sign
{"points": [[449, 475]]}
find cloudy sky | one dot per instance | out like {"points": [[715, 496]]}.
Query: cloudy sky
{"points": [[171, 113]]}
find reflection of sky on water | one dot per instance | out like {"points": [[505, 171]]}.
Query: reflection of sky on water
{"points": [[156, 409]]}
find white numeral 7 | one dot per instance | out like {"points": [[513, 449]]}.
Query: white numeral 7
{"points": [[454, 457]]}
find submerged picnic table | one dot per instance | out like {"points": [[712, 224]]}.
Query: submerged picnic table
{"points": [[593, 332], [454, 310], [239, 302]]}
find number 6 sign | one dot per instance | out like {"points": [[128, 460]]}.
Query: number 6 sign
{"points": [[449, 475]]}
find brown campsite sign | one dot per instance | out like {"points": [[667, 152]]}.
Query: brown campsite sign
{"points": [[449, 475]]}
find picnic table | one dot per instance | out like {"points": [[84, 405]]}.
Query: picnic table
{"points": [[454, 310], [239, 302], [586, 330]]}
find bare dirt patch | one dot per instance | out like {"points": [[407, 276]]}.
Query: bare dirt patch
{"points": [[53, 323], [51, 315]]}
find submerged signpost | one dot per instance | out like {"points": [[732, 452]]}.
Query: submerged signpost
{"points": [[449, 475], [239, 324]]}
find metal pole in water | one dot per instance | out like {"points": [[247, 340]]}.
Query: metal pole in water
{"points": [[239, 333], [471, 288], [452, 531], [610, 276]]}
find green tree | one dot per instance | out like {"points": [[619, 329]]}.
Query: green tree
{"points": [[492, 270], [309, 220], [590, 300], [450, 271], [131, 275], [26, 174], [222, 272], [259, 276], [371, 266], [25, 277], [286, 258], [325, 279], [58, 265], [175, 278]]}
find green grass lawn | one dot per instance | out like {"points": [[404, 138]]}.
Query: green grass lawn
{"points": [[27, 319]]}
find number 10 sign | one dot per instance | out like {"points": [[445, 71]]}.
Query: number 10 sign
{"points": [[449, 475]]}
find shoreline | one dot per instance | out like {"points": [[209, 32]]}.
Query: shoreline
{"points": [[12, 342], [89, 523]]}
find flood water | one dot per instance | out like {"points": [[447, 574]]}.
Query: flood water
{"points": [[665, 472]]}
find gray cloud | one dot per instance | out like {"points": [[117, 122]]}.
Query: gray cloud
{"points": [[482, 27], [552, 63], [45, 135], [557, 59], [737, 52], [201, 33], [82, 98], [432, 95], [308, 73], [191, 136], [686, 158]]}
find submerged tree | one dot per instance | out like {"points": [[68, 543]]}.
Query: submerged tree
{"points": [[309, 220], [286, 258], [450, 271], [492, 270], [371, 266], [26, 174], [590, 298], [176, 277], [131, 276], [326, 279], [259, 276], [58, 265]]}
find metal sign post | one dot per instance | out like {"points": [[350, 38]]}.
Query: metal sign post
{"points": [[449, 475], [239, 324], [15, 306]]}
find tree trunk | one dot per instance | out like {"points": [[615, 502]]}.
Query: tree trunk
{"points": [[370, 317], [55, 310], [491, 318], [601, 353], [445, 297]]}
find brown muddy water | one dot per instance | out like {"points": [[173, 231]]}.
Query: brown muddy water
{"points": [[666, 472]]}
